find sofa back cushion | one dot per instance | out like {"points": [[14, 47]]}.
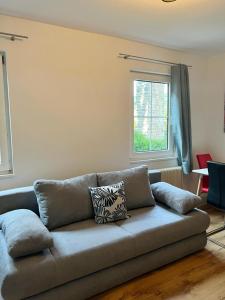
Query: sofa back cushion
{"points": [[136, 183], [62, 202]]}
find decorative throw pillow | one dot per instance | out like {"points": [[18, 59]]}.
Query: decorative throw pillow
{"points": [[109, 203]]}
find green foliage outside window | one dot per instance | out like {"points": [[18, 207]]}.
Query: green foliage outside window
{"points": [[142, 143]]}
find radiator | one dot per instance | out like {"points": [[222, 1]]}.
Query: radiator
{"points": [[173, 176]]}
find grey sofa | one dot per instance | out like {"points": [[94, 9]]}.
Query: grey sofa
{"points": [[88, 258]]}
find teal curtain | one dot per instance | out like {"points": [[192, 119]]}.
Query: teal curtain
{"points": [[181, 116]]}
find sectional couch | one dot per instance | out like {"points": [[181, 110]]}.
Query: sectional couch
{"points": [[88, 258]]}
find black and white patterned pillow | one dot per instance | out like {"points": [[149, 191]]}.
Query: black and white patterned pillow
{"points": [[109, 203]]}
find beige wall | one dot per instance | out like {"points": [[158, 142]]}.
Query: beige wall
{"points": [[211, 114], [70, 100], [215, 107]]}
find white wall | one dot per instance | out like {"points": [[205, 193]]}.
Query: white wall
{"points": [[70, 99]]}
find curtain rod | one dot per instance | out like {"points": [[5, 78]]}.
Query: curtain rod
{"points": [[12, 36], [147, 59]]}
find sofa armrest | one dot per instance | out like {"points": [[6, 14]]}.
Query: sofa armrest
{"points": [[18, 198], [178, 199], [154, 176]]}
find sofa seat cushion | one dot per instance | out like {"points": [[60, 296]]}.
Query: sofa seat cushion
{"points": [[157, 226], [27, 276], [86, 247], [79, 249]]}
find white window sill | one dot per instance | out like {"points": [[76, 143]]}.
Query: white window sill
{"points": [[156, 163], [6, 174]]}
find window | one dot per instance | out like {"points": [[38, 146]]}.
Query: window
{"points": [[151, 118], [5, 132]]}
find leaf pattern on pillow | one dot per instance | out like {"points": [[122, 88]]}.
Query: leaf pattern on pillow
{"points": [[109, 203]]}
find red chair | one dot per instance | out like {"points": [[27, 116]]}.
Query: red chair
{"points": [[202, 162]]}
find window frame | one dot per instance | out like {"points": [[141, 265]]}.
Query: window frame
{"points": [[6, 165], [151, 155]]}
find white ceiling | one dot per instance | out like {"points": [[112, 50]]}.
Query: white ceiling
{"points": [[184, 24]]}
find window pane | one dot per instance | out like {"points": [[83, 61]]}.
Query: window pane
{"points": [[5, 133], [150, 116], [142, 98], [159, 99], [159, 139], [142, 132]]}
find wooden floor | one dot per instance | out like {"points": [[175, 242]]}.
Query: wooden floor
{"points": [[200, 276]]}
